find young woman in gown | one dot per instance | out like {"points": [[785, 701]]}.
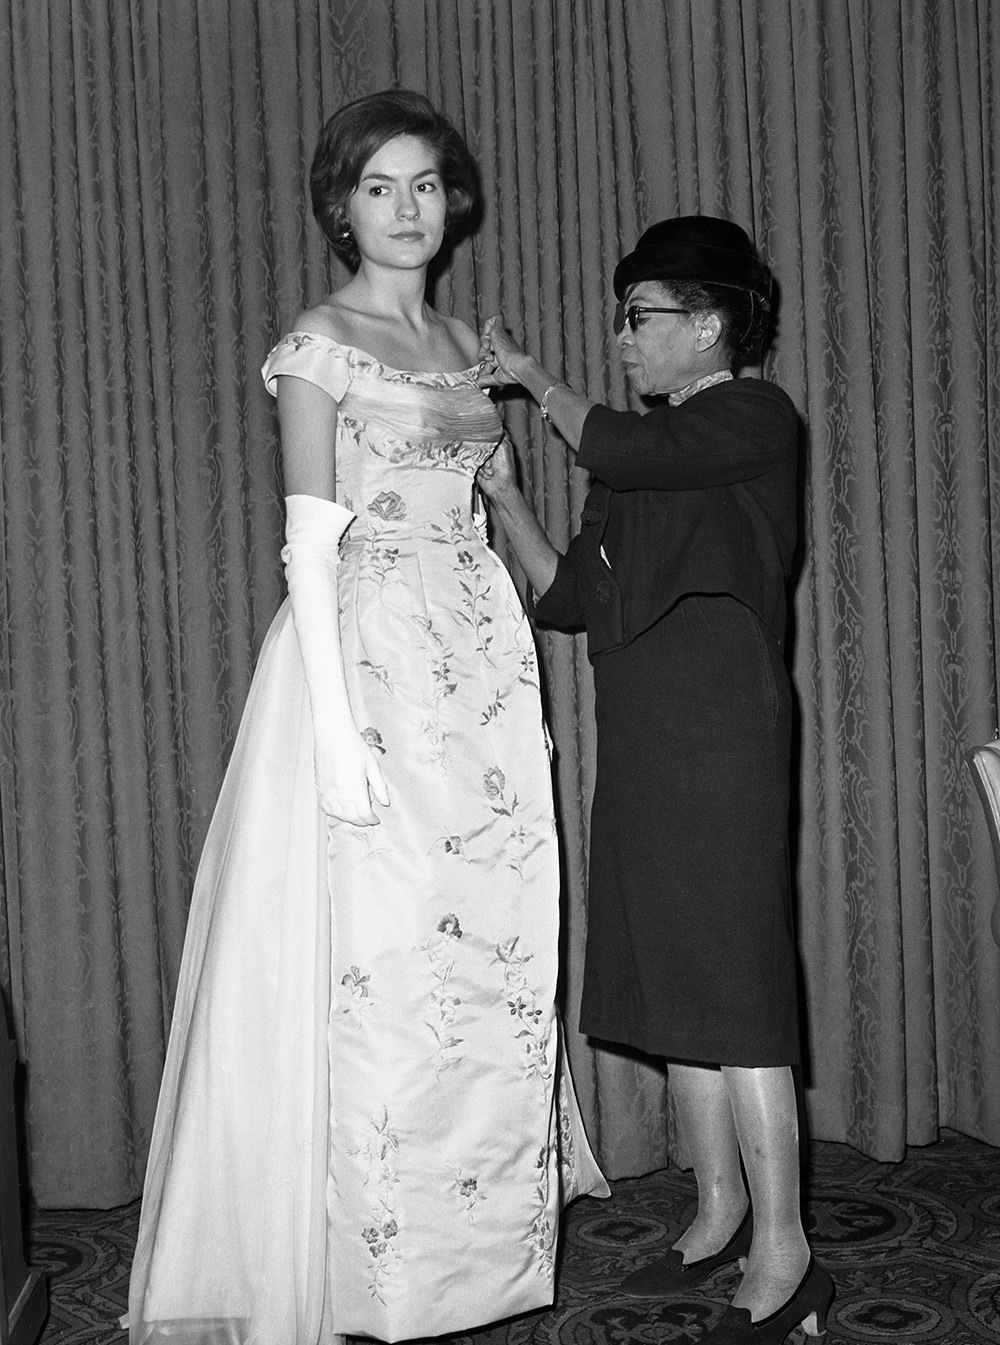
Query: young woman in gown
{"points": [[365, 1126]]}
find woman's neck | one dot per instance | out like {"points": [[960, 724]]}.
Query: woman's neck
{"points": [[395, 297]]}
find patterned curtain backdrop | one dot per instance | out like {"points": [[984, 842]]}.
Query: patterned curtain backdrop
{"points": [[155, 241]]}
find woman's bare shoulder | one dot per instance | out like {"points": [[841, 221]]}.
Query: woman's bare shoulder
{"points": [[464, 336], [327, 318]]}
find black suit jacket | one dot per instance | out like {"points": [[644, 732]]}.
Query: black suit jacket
{"points": [[695, 498]]}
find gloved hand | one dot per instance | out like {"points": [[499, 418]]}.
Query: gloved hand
{"points": [[348, 775]]}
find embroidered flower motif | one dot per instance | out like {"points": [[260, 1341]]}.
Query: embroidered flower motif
{"points": [[378, 1238], [378, 1245], [455, 531], [379, 561], [528, 676], [443, 1003], [300, 340], [358, 984], [528, 1013], [380, 1152], [388, 506], [379, 672], [437, 656], [359, 1001], [567, 1147], [493, 709], [506, 953], [456, 846], [542, 1236], [522, 1002], [495, 787], [435, 454], [436, 741], [374, 739], [467, 1190], [442, 676], [476, 590], [517, 844]]}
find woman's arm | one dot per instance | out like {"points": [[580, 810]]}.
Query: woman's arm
{"points": [[498, 482], [307, 419], [737, 431], [348, 776], [506, 362]]}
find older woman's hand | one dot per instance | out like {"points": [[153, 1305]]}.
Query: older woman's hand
{"points": [[498, 475], [500, 355]]}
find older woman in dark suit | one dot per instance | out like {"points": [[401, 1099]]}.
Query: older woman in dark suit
{"points": [[679, 575]]}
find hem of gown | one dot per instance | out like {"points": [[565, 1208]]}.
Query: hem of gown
{"points": [[196, 1332]]}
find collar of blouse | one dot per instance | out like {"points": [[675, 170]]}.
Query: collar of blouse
{"points": [[682, 394]]}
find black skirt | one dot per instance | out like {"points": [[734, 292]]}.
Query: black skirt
{"points": [[690, 951]]}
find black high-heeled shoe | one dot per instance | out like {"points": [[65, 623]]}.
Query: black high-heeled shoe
{"points": [[807, 1308], [670, 1275]]}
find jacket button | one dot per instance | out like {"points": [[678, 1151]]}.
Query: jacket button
{"points": [[591, 514], [603, 591]]}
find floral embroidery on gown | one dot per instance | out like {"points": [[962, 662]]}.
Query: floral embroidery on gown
{"points": [[366, 1125]]}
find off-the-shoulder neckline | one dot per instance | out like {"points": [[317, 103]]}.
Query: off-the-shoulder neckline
{"points": [[467, 372]]}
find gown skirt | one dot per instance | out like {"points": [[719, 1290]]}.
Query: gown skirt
{"points": [[366, 1123], [690, 951]]}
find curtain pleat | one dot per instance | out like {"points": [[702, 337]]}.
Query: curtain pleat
{"points": [[155, 239], [895, 657]]}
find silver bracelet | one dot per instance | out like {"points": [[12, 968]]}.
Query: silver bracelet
{"points": [[545, 397]]}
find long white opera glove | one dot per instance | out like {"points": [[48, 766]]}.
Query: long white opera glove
{"points": [[348, 775]]}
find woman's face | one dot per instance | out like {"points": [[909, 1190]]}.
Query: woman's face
{"points": [[667, 351], [397, 210]]}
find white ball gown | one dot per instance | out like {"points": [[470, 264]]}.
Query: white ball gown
{"points": [[366, 1124]]}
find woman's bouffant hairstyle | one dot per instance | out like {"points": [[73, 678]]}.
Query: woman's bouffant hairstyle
{"points": [[359, 130]]}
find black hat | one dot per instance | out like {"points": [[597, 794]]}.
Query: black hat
{"points": [[695, 247]]}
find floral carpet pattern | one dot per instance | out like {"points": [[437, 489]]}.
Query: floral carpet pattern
{"points": [[913, 1247]]}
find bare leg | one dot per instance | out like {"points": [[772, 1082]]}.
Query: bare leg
{"points": [[706, 1115], [764, 1108]]}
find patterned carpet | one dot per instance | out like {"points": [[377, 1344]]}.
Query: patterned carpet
{"points": [[914, 1249]]}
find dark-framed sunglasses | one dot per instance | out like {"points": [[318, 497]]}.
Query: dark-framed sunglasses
{"points": [[631, 315]]}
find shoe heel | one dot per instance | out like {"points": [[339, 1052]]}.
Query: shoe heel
{"points": [[814, 1324]]}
